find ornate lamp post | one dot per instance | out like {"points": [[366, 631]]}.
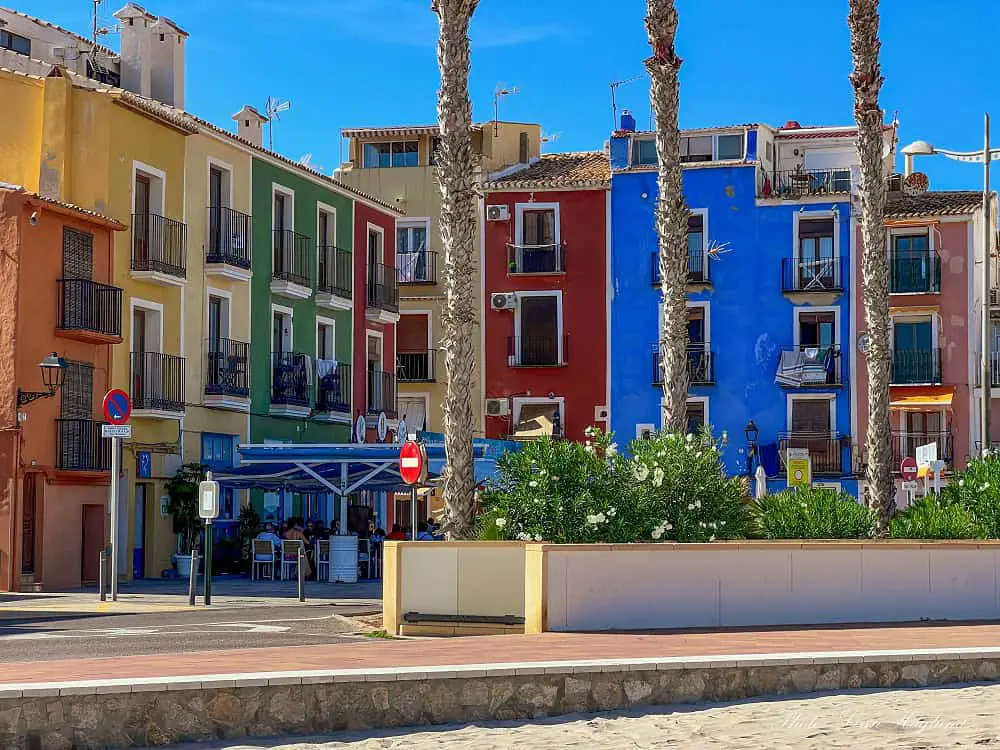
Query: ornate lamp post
{"points": [[53, 369], [752, 433]]}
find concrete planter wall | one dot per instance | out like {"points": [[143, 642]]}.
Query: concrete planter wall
{"points": [[652, 586], [460, 588]]}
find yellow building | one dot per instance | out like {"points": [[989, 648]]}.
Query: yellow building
{"points": [[123, 156], [397, 164]]}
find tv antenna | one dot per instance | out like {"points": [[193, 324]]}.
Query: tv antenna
{"points": [[272, 109], [551, 137], [498, 95], [615, 85]]}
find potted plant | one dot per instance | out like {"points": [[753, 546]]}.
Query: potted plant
{"points": [[183, 509]]}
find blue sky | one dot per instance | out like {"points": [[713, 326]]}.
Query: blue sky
{"points": [[345, 63]]}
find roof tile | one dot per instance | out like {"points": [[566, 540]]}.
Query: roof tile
{"points": [[585, 169], [933, 203]]}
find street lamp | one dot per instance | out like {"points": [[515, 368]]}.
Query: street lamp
{"points": [[53, 369], [752, 433], [923, 148]]}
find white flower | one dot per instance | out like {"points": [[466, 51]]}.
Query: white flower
{"points": [[501, 522], [657, 532], [725, 435], [701, 524], [690, 506], [697, 504], [524, 537], [612, 512], [668, 526], [532, 483], [641, 472], [555, 478], [612, 450], [986, 486], [712, 538], [986, 452], [657, 477], [689, 437], [722, 523], [538, 537], [589, 448], [589, 431], [961, 482], [661, 454]]}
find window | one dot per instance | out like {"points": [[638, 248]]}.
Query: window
{"points": [[15, 42], [915, 359], [218, 454], [538, 324], [811, 416], [78, 254], [326, 227], [394, 154], [538, 249], [77, 392], [913, 268], [817, 329], [699, 351], [694, 416], [325, 341], [218, 322], [433, 155], [411, 252], [643, 152], [816, 264], [281, 332], [539, 417], [697, 265], [413, 411], [411, 237], [695, 148], [414, 360], [376, 253], [729, 147], [522, 153]]}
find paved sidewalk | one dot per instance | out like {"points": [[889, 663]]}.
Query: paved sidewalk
{"points": [[387, 656]]}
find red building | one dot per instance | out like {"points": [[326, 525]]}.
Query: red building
{"points": [[545, 260]]}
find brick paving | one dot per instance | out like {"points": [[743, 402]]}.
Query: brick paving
{"points": [[547, 647]]}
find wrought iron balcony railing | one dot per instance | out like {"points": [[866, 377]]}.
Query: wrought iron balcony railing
{"points": [[383, 287], [416, 268], [799, 183], [537, 350], [229, 236], [916, 273], [86, 305], [416, 366], [333, 391], [701, 365], [912, 366], [289, 379], [227, 368], [80, 446], [157, 382], [291, 257], [825, 450], [813, 274], [336, 271], [159, 245], [535, 259], [382, 393]]}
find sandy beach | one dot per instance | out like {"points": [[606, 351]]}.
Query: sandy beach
{"points": [[919, 719]]}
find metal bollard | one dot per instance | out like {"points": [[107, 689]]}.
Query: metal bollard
{"points": [[102, 573], [302, 573], [193, 579]]}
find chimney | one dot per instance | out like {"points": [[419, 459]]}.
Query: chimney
{"points": [[250, 125], [137, 53], [627, 121], [167, 41], [791, 125]]}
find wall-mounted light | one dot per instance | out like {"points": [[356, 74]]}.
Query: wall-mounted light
{"points": [[53, 369]]}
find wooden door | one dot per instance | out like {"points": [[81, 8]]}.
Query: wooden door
{"points": [[93, 542], [141, 228], [29, 523]]}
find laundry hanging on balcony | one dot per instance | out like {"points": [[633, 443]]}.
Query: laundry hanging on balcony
{"points": [[806, 366], [325, 367]]}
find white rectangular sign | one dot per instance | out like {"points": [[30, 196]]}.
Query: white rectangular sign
{"points": [[926, 454], [116, 430], [909, 486], [208, 500], [797, 453]]}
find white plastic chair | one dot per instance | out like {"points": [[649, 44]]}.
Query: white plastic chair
{"points": [[263, 559], [289, 558], [322, 559]]}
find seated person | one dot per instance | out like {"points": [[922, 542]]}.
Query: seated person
{"points": [[268, 535], [423, 535], [396, 535]]}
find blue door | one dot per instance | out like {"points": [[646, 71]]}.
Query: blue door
{"points": [[139, 534]]}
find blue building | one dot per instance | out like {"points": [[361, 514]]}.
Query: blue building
{"points": [[770, 314]]}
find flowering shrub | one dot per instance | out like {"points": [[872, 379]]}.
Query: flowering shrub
{"points": [[977, 489], [811, 514], [933, 517], [672, 488]]}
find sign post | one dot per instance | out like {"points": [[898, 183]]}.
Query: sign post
{"points": [[117, 409], [208, 509], [413, 471], [908, 471], [799, 467]]}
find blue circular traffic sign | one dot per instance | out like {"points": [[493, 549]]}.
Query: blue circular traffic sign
{"points": [[117, 406]]}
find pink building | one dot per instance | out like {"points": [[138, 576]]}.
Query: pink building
{"points": [[935, 246]]}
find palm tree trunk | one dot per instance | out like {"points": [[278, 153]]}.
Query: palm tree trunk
{"points": [[456, 172], [866, 80], [671, 211]]}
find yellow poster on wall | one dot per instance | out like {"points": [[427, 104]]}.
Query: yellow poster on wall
{"points": [[799, 467]]}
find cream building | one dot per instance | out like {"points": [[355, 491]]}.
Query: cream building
{"points": [[397, 164]]}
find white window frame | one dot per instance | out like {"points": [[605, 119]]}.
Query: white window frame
{"points": [[146, 306], [290, 312], [644, 427], [227, 171], [703, 400], [518, 401], [380, 231], [706, 306], [793, 397], [332, 325], [798, 216], [557, 293], [289, 195], [715, 145], [227, 308], [420, 222], [390, 143], [331, 225], [632, 148], [703, 213], [157, 187], [799, 309], [903, 231], [372, 334], [914, 317], [423, 396], [519, 210]]}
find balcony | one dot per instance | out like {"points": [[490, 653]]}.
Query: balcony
{"points": [[701, 365], [994, 372], [905, 444], [792, 184], [537, 350], [333, 395], [290, 274], [159, 250], [535, 259], [697, 274], [80, 447], [416, 268], [290, 387], [416, 366], [227, 250], [824, 450], [157, 385], [810, 367], [227, 376], [383, 294], [917, 273], [89, 311], [336, 278], [915, 366], [813, 275], [381, 393]]}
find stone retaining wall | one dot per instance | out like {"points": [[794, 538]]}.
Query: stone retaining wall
{"points": [[117, 714]]}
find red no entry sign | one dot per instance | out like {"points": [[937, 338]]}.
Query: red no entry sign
{"points": [[908, 468], [117, 406], [412, 463]]}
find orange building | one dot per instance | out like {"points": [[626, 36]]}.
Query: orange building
{"points": [[54, 466]]}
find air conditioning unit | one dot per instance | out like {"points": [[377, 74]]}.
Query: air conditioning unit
{"points": [[497, 213], [503, 300], [497, 407], [600, 414]]}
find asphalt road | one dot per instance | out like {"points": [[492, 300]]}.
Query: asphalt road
{"points": [[38, 636]]}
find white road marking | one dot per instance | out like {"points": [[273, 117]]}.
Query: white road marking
{"points": [[214, 628]]}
